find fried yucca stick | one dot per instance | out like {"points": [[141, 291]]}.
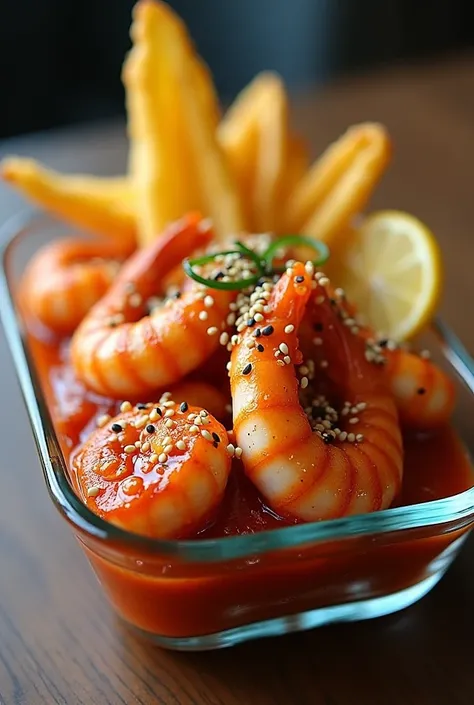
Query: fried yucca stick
{"points": [[265, 159], [104, 206], [175, 160], [340, 183]]}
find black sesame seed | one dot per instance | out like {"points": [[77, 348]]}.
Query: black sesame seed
{"points": [[257, 333], [318, 327], [268, 330], [177, 295], [260, 348], [216, 437], [158, 411], [421, 390], [116, 427], [333, 302], [251, 322], [327, 438], [150, 428], [112, 324], [383, 343], [184, 407], [219, 275], [141, 406], [260, 282], [247, 369], [215, 444], [299, 279]]}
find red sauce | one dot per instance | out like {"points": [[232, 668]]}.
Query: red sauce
{"points": [[166, 596]]}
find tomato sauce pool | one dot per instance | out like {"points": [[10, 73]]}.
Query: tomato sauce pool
{"points": [[436, 464], [166, 597]]}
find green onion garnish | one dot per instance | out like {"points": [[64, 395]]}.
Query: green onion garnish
{"points": [[292, 240], [189, 264], [263, 263]]}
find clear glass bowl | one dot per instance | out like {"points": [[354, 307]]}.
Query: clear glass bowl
{"points": [[206, 594]]}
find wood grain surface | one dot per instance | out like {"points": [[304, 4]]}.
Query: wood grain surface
{"points": [[59, 640]]}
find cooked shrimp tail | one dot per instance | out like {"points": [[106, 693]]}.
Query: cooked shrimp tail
{"points": [[136, 339], [313, 461]]}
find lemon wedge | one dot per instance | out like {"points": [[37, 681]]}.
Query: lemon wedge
{"points": [[391, 269]]}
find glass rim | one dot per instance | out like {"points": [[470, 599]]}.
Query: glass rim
{"points": [[441, 511]]}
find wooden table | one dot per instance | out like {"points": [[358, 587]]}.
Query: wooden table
{"points": [[60, 642]]}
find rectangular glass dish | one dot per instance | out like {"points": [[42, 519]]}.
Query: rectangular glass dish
{"points": [[210, 593]]}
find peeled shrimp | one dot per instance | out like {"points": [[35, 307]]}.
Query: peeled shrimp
{"points": [[121, 350], [331, 471], [66, 278], [424, 394], [159, 471]]}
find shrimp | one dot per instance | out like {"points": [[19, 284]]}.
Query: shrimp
{"points": [[159, 470], [66, 278], [424, 394], [323, 468], [120, 350]]}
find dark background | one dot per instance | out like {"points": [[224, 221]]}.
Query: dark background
{"points": [[60, 60]]}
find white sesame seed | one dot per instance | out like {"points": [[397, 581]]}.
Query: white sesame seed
{"points": [[230, 449], [359, 437], [280, 363], [259, 317], [340, 293], [250, 343], [154, 415], [320, 299], [162, 458], [125, 406], [212, 330], [180, 445], [228, 366], [203, 315], [304, 382], [167, 449], [138, 444], [287, 359], [289, 329], [169, 423], [153, 458], [135, 300], [230, 320], [284, 348], [146, 446], [102, 420], [343, 435], [238, 451], [130, 449], [303, 370], [324, 281], [351, 437], [194, 429], [205, 434], [169, 413], [354, 420], [208, 301], [93, 491], [240, 328], [361, 406], [168, 404], [224, 339]]}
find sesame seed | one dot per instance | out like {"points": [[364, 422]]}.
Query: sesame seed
{"points": [[425, 354], [169, 404], [203, 315], [230, 320], [323, 364], [138, 444], [153, 415], [320, 299], [303, 370], [162, 458], [287, 359], [289, 329], [238, 452], [129, 449], [116, 427], [268, 330], [230, 449], [205, 434], [340, 293], [102, 420], [284, 348], [216, 437], [169, 413], [260, 348], [247, 369], [167, 449], [150, 428], [359, 437], [299, 279], [158, 411], [181, 445], [198, 421], [351, 437], [361, 406], [169, 423], [224, 338], [135, 300], [93, 491], [153, 458], [228, 366], [212, 330], [280, 363], [208, 301], [324, 281], [167, 440], [259, 318], [251, 322], [258, 307], [304, 382], [250, 343], [343, 435], [146, 446], [194, 429], [421, 390], [183, 407], [354, 420]]}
